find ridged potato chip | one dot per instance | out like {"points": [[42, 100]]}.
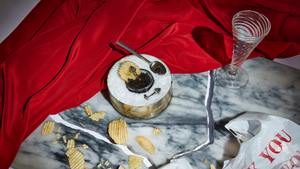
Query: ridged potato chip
{"points": [[76, 159], [97, 116], [71, 151], [125, 73], [146, 144], [48, 127], [121, 167], [156, 131], [88, 110], [54, 142], [117, 130], [71, 143], [135, 162]]}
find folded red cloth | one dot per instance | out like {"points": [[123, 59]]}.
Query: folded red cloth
{"points": [[58, 57]]}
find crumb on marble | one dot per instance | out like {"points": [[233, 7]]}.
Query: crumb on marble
{"points": [[88, 110], [54, 142], [57, 135], [64, 139], [106, 163], [58, 129], [156, 131], [121, 167], [76, 135], [205, 160], [84, 146], [212, 166]]}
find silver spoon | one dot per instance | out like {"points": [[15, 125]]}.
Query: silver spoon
{"points": [[156, 66]]}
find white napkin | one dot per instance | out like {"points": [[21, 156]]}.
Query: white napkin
{"points": [[179, 164]]}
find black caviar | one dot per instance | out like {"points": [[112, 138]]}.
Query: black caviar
{"points": [[141, 84], [143, 81]]}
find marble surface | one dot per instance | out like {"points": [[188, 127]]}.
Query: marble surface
{"points": [[273, 88]]}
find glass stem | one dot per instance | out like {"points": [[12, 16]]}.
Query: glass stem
{"points": [[233, 70]]}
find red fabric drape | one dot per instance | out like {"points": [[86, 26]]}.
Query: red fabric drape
{"points": [[58, 57]]}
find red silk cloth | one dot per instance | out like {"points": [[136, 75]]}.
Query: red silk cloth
{"points": [[59, 56]]}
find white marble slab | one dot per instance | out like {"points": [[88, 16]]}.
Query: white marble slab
{"points": [[273, 88]]}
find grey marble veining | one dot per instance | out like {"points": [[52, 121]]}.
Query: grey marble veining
{"points": [[273, 88]]}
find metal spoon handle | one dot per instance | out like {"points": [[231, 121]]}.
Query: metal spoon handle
{"points": [[123, 45]]}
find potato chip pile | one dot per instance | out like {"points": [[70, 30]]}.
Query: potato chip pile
{"points": [[75, 157], [117, 130]]}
